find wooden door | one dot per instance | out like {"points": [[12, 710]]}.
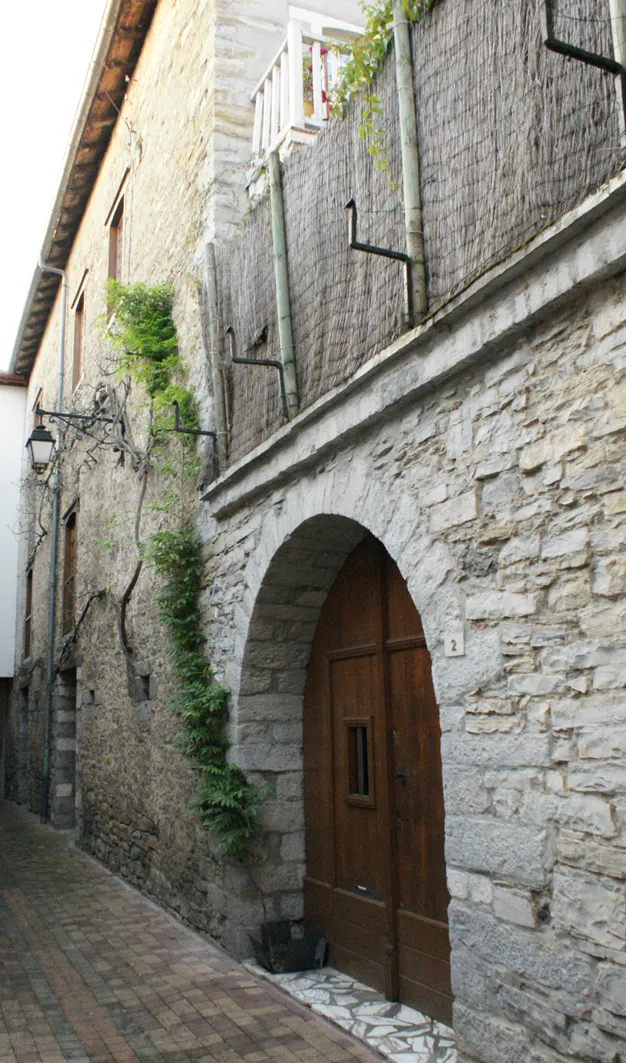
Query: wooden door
{"points": [[375, 883]]}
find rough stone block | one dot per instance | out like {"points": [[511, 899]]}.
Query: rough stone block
{"points": [[512, 907], [535, 684], [497, 751], [455, 511], [590, 711], [519, 549], [553, 446], [585, 905], [571, 542], [536, 1013], [591, 815], [486, 844], [292, 846], [270, 757], [598, 778], [611, 987], [490, 1040], [464, 791], [538, 958], [495, 605]]}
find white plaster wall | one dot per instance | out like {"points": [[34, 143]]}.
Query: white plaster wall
{"points": [[12, 407]]}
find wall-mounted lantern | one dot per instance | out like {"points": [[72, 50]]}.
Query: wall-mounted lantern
{"points": [[40, 446]]}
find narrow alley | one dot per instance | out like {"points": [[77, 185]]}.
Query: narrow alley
{"points": [[93, 972]]}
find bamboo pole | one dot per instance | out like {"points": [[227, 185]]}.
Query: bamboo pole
{"points": [[210, 277], [285, 331], [410, 158]]}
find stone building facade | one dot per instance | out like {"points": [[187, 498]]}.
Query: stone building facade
{"points": [[485, 450]]}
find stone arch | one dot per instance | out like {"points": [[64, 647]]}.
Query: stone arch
{"points": [[305, 537], [267, 711]]}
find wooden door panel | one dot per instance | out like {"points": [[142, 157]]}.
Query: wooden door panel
{"points": [[425, 935], [351, 908], [357, 939], [318, 896], [418, 786], [419, 967], [352, 605], [403, 619], [427, 1000], [376, 885], [360, 967], [354, 696]]}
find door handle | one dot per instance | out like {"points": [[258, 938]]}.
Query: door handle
{"points": [[401, 775]]}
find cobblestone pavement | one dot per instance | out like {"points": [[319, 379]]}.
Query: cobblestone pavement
{"points": [[93, 972]]}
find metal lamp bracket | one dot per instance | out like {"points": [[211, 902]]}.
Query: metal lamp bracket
{"points": [[86, 418]]}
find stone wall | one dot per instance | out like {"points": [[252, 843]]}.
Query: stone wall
{"points": [[179, 153], [499, 492], [486, 451]]}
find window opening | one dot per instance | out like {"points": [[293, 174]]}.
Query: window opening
{"points": [[79, 330], [69, 574], [360, 762], [38, 404], [28, 612], [116, 242]]}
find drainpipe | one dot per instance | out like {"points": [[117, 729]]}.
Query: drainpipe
{"points": [[617, 10], [210, 276], [410, 158], [56, 492], [285, 331]]}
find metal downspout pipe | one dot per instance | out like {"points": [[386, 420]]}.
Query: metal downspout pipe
{"points": [[214, 346], [56, 491], [285, 331], [410, 159], [617, 10]]}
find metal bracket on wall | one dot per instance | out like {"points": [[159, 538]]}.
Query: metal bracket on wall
{"points": [[61, 415], [196, 432], [611, 66], [230, 332], [384, 252]]}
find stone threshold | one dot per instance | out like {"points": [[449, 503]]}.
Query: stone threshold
{"points": [[397, 1032]]}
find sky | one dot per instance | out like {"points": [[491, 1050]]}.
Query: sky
{"points": [[46, 55]]}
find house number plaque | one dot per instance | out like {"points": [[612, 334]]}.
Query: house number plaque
{"points": [[454, 643]]}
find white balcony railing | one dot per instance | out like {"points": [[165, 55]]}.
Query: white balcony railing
{"points": [[292, 99]]}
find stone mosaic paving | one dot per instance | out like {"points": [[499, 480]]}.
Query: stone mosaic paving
{"points": [[398, 1032]]}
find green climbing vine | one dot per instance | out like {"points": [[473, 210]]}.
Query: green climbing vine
{"points": [[145, 333], [225, 801], [365, 58], [141, 325]]}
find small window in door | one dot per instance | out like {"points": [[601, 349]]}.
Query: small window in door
{"points": [[360, 762]]}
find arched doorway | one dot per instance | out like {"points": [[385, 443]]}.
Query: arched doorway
{"points": [[375, 882]]}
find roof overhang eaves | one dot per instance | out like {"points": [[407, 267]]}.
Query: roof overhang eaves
{"points": [[123, 30]]}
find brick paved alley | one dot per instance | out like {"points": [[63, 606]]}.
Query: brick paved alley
{"points": [[93, 972]]}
